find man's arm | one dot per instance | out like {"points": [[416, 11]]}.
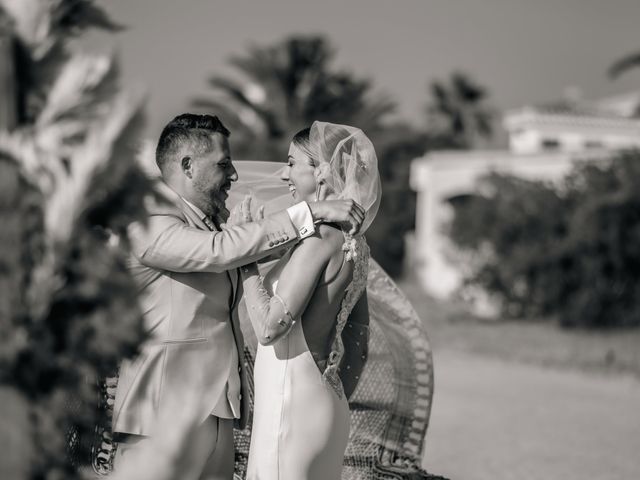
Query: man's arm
{"points": [[305, 215], [167, 243]]}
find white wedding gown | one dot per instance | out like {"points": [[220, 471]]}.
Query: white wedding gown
{"points": [[301, 418]]}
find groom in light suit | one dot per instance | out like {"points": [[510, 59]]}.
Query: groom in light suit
{"points": [[185, 266]]}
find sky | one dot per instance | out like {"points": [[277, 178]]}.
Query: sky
{"points": [[523, 51]]}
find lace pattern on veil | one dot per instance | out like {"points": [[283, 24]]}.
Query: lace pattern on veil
{"points": [[355, 250]]}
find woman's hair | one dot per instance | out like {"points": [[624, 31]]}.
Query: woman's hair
{"points": [[302, 140]]}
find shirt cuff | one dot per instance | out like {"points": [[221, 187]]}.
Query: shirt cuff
{"points": [[300, 215]]}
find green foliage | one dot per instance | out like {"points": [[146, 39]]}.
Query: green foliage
{"points": [[283, 88], [69, 186], [571, 251], [624, 64], [458, 114], [39, 33]]}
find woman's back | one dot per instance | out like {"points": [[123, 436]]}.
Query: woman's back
{"points": [[301, 422], [319, 318]]}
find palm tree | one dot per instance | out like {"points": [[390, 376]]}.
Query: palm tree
{"points": [[284, 87], [458, 114]]}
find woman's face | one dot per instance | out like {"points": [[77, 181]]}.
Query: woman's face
{"points": [[299, 174]]}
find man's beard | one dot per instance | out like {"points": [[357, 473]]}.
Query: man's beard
{"points": [[220, 208], [214, 200]]}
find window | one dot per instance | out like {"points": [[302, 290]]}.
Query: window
{"points": [[593, 144], [550, 144]]}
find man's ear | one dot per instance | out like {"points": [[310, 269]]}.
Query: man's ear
{"points": [[186, 166]]}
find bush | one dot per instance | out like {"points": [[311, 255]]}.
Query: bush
{"points": [[571, 251], [396, 148]]}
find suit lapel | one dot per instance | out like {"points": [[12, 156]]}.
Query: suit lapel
{"points": [[193, 218], [196, 221]]}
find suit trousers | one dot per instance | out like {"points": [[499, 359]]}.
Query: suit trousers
{"points": [[206, 453]]}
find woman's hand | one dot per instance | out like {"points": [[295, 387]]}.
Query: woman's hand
{"points": [[345, 211], [241, 213]]}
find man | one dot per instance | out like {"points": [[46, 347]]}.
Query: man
{"points": [[185, 266]]}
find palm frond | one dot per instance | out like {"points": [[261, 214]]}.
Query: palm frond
{"points": [[41, 24], [247, 108], [257, 64], [35, 165], [32, 23], [223, 108], [84, 84], [624, 64], [234, 90], [75, 16], [67, 200]]}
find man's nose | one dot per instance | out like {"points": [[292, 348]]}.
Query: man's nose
{"points": [[234, 174], [285, 173]]}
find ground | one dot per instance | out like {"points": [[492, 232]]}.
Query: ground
{"points": [[524, 400]]}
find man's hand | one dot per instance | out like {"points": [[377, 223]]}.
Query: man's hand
{"points": [[339, 211]]}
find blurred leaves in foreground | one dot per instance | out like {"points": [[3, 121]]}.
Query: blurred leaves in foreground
{"points": [[69, 186]]}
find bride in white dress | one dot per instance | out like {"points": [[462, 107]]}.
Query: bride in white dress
{"points": [[301, 415]]}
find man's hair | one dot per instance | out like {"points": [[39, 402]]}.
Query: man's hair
{"points": [[190, 130]]}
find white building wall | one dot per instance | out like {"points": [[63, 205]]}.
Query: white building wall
{"points": [[441, 176], [529, 129]]}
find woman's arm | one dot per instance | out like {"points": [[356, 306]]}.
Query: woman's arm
{"points": [[272, 316]]}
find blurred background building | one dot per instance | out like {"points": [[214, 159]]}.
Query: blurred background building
{"points": [[544, 142]]}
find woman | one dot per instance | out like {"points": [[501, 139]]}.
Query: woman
{"points": [[301, 416]]}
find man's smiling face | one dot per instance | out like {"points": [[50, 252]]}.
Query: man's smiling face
{"points": [[213, 173]]}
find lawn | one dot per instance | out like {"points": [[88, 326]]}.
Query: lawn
{"points": [[451, 326]]}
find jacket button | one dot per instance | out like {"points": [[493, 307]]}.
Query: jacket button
{"points": [[271, 244], [286, 237]]}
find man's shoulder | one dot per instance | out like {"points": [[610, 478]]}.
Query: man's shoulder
{"points": [[165, 202]]}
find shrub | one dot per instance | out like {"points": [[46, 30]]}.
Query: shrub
{"points": [[569, 250]]}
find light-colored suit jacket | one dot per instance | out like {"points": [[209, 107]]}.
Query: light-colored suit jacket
{"points": [[188, 281]]}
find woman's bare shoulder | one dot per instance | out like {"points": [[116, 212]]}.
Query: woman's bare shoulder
{"points": [[324, 245], [331, 233]]}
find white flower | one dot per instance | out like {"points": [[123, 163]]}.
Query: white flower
{"points": [[349, 247]]}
